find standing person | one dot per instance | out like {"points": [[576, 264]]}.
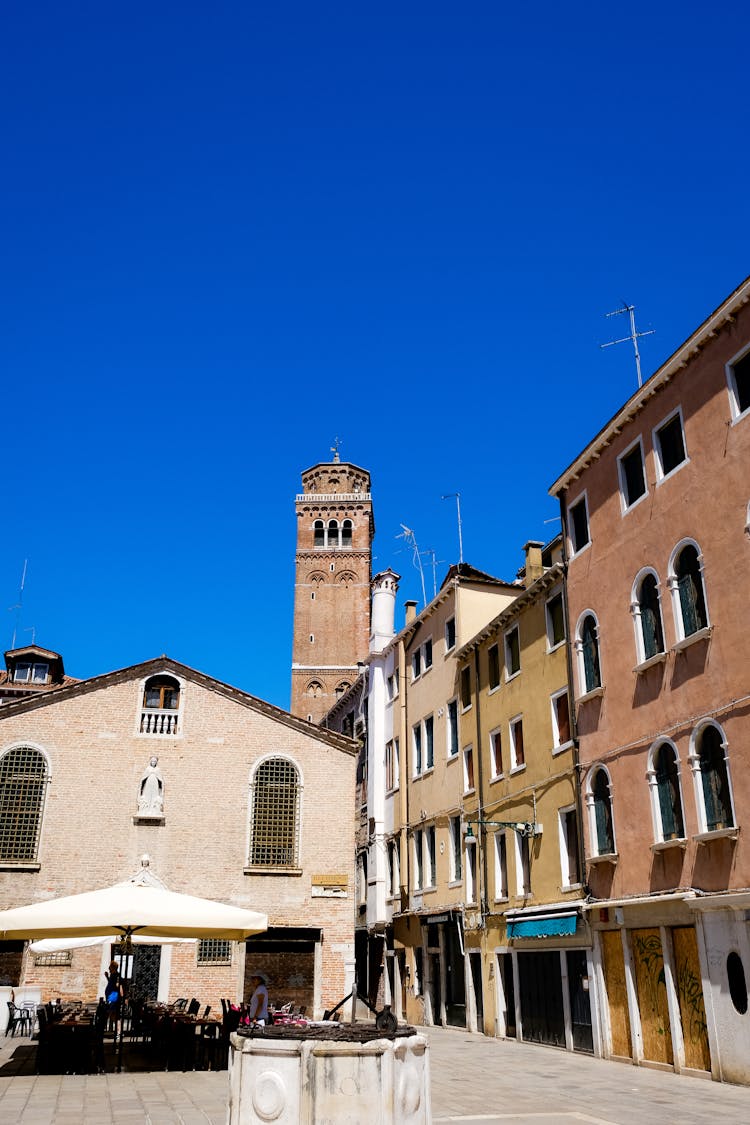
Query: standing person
{"points": [[113, 993], [258, 1010]]}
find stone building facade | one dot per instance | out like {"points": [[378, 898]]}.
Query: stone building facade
{"points": [[229, 797]]}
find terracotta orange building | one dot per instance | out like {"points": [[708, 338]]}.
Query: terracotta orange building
{"points": [[656, 510]]}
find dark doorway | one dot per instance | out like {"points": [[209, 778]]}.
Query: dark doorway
{"points": [[287, 956], [505, 968], [540, 984], [455, 983], [580, 1001], [435, 994], [475, 960], [139, 970]]}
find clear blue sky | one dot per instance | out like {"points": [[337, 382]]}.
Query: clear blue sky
{"points": [[231, 232]]}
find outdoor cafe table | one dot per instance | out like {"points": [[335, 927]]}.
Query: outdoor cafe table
{"points": [[70, 1044]]}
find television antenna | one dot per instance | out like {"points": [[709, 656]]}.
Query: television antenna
{"points": [[431, 554], [449, 496], [408, 535], [19, 604], [634, 335]]}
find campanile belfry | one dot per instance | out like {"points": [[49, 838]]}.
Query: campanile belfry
{"points": [[335, 529]]}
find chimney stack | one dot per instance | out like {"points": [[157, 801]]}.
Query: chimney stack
{"points": [[411, 612], [534, 566]]}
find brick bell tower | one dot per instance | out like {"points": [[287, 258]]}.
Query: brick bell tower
{"points": [[335, 529]]}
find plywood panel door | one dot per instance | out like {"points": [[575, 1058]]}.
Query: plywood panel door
{"points": [[648, 958], [690, 998], [617, 997]]}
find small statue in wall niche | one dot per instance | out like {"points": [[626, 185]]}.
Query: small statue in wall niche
{"points": [[151, 790]]}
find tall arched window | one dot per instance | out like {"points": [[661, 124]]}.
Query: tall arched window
{"points": [[333, 534], [713, 787], [275, 814], [23, 782], [319, 534], [647, 614], [688, 590], [601, 824], [587, 647], [664, 779], [346, 533]]}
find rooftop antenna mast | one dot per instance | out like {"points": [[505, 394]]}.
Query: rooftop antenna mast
{"points": [[431, 554], [335, 450], [634, 335], [449, 496], [19, 604], [408, 535]]}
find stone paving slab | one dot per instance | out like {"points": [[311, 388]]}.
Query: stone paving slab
{"points": [[474, 1081]]}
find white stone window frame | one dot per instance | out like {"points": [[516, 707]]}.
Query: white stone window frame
{"points": [[415, 663], [500, 851], [552, 644], [393, 868], [567, 883], [492, 688], [427, 646], [430, 861], [695, 768], [180, 712], [625, 505], [418, 852], [591, 810], [516, 628], [584, 692], [519, 843], [452, 757], [653, 790], [734, 405], [449, 647], [466, 757], [455, 839], [635, 612], [557, 746], [574, 550], [495, 775], [661, 476], [471, 870], [300, 814], [513, 764], [31, 864], [465, 671], [679, 622], [418, 767], [393, 743]]}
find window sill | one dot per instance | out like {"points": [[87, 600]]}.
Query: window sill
{"points": [[429, 890], [693, 639], [718, 834], [562, 747], [455, 883], [469, 792], [497, 777], [595, 693], [19, 865], [293, 872], [512, 676], [141, 818], [517, 769], [665, 845], [576, 553], [501, 899], [466, 708], [452, 757], [493, 689], [607, 857], [424, 773], [570, 887], [652, 661], [555, 647], [662, 479], [392, 791]]}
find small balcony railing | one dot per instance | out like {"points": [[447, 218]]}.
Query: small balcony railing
{"points": [[154, 720]]}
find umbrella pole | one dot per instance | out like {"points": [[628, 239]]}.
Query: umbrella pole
{"points": [[126, 947]]}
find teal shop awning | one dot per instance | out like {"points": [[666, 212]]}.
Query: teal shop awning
{"points": [[556, 925]]}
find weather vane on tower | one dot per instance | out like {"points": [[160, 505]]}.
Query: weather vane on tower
{"points": [[335, 449]]}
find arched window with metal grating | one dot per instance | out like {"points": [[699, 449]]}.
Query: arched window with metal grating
{"points": [[23, 782], [275, 814]]}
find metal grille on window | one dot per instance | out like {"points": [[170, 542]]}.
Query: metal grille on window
{"points": [[653, 636], [62, 957], [214, 951], [23, 775], [275, 818]]}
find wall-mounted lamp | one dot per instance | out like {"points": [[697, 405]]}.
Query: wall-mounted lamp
{"points": [[522, 827]]}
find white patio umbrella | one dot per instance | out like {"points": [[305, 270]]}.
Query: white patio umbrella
{"points": [[134, 907], [64, 945], [130, 908]]}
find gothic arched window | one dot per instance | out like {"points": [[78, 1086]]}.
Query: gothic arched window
{"points": [[600, 811], [646, 609], [275, 814], [23, 780], [688, 591], [664, 778], [713, 789], [587, 647]]}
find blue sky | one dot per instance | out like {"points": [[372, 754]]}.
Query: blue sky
{"points": [[232, 233]]}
